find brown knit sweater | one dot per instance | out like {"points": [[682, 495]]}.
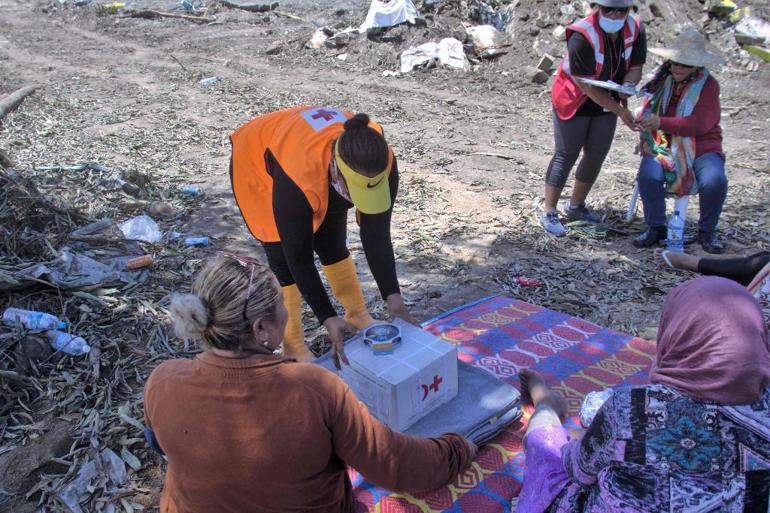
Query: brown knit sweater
{"points": [[267, 434]]}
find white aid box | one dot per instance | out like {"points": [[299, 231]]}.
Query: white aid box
{"points": [[401, 387]]}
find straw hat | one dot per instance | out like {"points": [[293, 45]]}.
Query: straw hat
{"points": [[613, 3], [689, 48]]}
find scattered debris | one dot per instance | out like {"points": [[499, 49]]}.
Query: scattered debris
{"points": [[536, 75], [142, 228], [318, 40], [9, 103], [449, 52], [752, 31], [389, 13], [488, 41], [255, 7], [107, 467], [546, 63], [151, 14]]}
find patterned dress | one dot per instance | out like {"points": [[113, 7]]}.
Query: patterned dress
{"points": [[652, 449], [760, 287]]}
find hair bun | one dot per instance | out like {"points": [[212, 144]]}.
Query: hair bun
{"points": [[189, 315], [357, 121]]}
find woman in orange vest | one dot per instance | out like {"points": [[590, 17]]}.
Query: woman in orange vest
{"points": [[295, 175], [610, 44]]}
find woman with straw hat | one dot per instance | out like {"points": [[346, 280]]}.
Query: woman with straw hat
{"points": [[682, 141], [295, 174], [608, 45]]}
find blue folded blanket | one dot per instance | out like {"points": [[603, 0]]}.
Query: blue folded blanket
{"points": [[482, 408]]}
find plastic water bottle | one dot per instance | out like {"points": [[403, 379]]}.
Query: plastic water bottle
{"points": [[196, 241], [675, 241], [67, 343], [32, 320], [208, 81], [192, 190]]}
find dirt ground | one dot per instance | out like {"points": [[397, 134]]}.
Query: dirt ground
{"points": [[125, 92]]}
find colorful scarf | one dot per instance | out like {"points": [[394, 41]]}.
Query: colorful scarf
{"points": [[677, 155]]}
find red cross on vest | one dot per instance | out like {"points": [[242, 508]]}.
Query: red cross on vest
{"points": [[322, 113], [433, 386]]}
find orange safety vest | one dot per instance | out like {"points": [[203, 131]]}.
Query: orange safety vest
{"points": [[301, 141], [566, 96]]}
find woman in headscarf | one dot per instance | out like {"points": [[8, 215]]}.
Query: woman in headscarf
{"points": [[682, 141], [696, 439]]}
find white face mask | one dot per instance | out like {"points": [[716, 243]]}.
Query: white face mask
{"points": [[609, 25]]}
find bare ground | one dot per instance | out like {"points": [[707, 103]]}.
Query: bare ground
{"points": [[125, 92]]}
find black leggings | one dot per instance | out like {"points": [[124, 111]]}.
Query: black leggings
{"points": [[592, 134], [741, 269], [329, 243]]}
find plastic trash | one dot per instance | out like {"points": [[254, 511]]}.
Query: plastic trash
{"points": [[499, 17], [451, 53], [73, 270], [591, 405], [448, 51], [139, 262], [675, 240], [196, 241], [66, 343], [32, 320], [528, 282], [191, 6], [141, 228], [107, 465], [487, 38], [389, 13], [192, 190], [752, 30], [209, 81]]}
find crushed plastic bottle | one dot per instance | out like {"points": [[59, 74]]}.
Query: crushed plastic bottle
{"points": [[66, 343], [208, 81], [675, 240], [191, 190], [32, 320], [196, 241]]}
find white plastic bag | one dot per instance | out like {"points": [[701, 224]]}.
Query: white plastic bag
{"points": [[141, 228], [448, 51], [452, 54], [389, 13]]}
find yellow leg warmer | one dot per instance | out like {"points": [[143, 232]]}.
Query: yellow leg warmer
{"points": [[294, 336], [346, 288]]}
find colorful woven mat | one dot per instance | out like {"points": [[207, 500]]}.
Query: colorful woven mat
{"points": [[502, 335]]}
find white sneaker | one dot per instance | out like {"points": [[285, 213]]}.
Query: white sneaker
{"points": [[550, 221]]}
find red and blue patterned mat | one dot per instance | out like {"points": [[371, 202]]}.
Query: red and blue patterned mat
{"points": [[502, 335]]}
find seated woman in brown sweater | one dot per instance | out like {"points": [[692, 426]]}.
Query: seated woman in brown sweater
{"points": [[245, 430]]}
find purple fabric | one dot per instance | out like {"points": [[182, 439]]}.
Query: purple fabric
{"points": [[544, 476], [712, 343]]}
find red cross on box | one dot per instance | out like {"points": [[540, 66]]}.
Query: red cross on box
{"points": [[323, 113], [433, 386]]}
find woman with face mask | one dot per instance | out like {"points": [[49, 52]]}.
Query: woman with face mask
{"points": [[610, 44]]}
